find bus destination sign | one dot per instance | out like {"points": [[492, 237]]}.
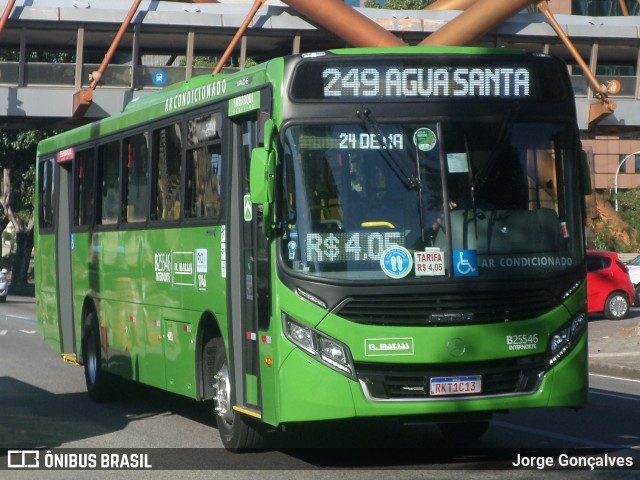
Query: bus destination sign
{"points": [[413, 79], [425, 82]]}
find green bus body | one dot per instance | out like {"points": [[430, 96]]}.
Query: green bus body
{"points": [[319, 320]]}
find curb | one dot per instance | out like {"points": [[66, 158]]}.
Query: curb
{"points": [[612, 370]]}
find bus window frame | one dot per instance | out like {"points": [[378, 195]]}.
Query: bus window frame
{"points": [[76, 226], [48, 190], [220, 141], [154, 219], [99, 183], [125, 223]]}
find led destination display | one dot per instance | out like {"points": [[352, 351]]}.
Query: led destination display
{"points": [[415, 78], [425, 82]]}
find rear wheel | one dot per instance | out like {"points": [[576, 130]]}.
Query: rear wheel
{"points": [[463, 431], [237, 431], [616, 307], [637, 296], [95, 377]]}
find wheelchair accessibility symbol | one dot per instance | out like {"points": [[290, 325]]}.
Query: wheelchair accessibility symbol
{"points": [[396, 261], [465, 263]]}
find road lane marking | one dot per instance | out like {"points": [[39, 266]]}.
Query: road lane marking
{"points": [[19, 319], [614, 378], [632, 398]]}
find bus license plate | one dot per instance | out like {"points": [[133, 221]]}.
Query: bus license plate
{"points": [[455, 385]]}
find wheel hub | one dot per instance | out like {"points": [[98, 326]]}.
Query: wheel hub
{"points": [[222, 395]]}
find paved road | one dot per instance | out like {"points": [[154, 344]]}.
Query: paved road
{"points": [[44, 404], [614, 346]]}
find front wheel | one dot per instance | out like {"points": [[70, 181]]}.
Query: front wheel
{"points": [[237, 432], [616, 307]]}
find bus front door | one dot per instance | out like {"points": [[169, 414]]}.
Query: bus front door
{"points": [[64, 246], [247, 273]]}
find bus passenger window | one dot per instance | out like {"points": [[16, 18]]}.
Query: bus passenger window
{"points": [[84, 174], [203, 182], [46, 191], [135, 150], [167, 164], [109, 185]]}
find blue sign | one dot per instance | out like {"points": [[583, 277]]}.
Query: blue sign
{"points": [[465, 263], [396, 261], [159, 77]]}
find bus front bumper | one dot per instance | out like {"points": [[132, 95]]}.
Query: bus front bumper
{"points": [[309, 391]]}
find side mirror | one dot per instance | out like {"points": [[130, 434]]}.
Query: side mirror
{"points": [[262, 176], [269, 129]]}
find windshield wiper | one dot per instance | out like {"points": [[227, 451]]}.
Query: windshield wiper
{"points": [[472, 187], [372, 126], [410, 180]]}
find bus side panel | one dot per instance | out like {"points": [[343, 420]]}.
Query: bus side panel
{"points": [[118, 274], [150, 362], [46, 293], [182, 275], [179, 351]]}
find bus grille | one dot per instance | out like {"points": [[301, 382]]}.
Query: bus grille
{"points": [[411, 382], [446, 309]]}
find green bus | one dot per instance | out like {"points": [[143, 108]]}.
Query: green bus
{"points": [[355, 233]]}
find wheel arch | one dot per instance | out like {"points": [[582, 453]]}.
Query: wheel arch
{"points": [[88, 306], [208, 329]]}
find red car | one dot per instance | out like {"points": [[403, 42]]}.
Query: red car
{"points": [[609, 288]]}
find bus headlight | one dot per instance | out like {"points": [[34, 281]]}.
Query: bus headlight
{"points": [[565, 339], [325, 349]]}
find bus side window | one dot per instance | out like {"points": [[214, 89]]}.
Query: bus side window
{"points": [[136, 191], [84, 193], [109, 183], [203, 182], [46, 190], [167, 165]]}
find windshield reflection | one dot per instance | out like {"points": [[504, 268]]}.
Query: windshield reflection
{"points": [[368, 201]]}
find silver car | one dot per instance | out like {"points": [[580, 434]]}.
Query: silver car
{"points": [[634, 274], [4, 286]]}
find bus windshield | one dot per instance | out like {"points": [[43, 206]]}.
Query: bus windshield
{"points": [[373, 201]]}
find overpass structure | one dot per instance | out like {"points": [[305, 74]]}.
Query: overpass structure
{"points": [[49, 48]]}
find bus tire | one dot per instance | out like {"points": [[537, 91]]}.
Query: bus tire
{"points": [[94, 375], [237, 431], [464, 431]]}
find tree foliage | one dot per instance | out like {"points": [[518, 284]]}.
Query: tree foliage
{"points": [[629, 207], [17, 169], [621, 232]]}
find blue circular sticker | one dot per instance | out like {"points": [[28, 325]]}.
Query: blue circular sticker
{"points": [[396, 261], [159, 77]]}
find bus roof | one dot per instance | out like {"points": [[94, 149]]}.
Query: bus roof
{"points": [[202, 89]]}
